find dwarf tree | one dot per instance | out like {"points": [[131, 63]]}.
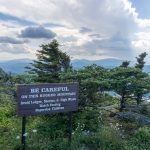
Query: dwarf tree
{"points": [[142, 79], [123, 82], [92, 79]]}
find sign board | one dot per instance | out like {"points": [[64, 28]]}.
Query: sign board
{"points": [[35, 99]]}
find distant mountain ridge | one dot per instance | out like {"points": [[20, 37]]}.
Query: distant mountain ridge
{"points": [[107, 63], [17, 66], [110, 62]]}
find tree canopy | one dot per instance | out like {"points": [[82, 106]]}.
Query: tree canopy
{"points": [[50, 62]]}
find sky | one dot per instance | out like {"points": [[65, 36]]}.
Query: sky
{"points": [[85, 29]]}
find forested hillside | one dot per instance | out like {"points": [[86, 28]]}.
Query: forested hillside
{"points": [[102, 122]]}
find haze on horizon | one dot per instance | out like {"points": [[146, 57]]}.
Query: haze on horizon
{"points": [[87, 29]]}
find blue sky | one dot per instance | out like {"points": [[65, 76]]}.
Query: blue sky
{"points": [[87, 29], [142, 7]]}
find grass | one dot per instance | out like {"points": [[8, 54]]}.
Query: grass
{"points": [[92, 129]]}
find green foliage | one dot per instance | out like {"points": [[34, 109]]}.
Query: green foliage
{"points": [[125, 64], [141, 85], [91, 127], [91, 80], [105, 100], [141, 139], [143, 135], [52, 131], [3, 76], [144, 109], [8, 125], [23, 79], [142, 80], [124, 82], [88, 120], [91, 130], [105, 139], [50, 62], [140, 61]]}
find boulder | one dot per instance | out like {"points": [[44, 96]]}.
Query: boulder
{"points": [[133, 117]]}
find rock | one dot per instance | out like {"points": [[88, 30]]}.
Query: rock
{"points": [[106, 107], [133, 117], [141, 109], [134, 108]]}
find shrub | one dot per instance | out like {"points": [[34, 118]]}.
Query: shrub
{"points": [[141, 138], [106, 139]]}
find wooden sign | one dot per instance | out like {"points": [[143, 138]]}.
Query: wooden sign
{"points": [[36, 99]]}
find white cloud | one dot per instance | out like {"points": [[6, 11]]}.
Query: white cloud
{"points": [[143, 23], [120, 32], [142, 41], [13, 48]]}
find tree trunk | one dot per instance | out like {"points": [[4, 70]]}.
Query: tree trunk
{"points": [[138, 99], [122, 103]]}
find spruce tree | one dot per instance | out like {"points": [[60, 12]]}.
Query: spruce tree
{"points": [[140, 61], [50, 62], [125, 64], [141, 86]]}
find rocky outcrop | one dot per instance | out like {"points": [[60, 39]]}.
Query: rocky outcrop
{"points": [[133, 117]]}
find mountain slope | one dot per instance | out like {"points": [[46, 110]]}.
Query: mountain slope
{"points": [[15, 66]]}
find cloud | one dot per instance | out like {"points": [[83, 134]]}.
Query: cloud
{"points": [[37, 32], [53, 25], [97, 47], [117, 43], [141, 42], [88, 27], [13, 48], [85, 30], [95, 35], [8, 17], [6, 39]]}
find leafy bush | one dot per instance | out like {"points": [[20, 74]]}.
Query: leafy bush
{"points": [[106, 138], [141, 139]]}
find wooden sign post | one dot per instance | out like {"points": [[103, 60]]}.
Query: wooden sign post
{"points": [[23, 136], [40, 99], [70, 128]]}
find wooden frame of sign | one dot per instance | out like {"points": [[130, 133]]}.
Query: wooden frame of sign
{"points": [[40, 99]]}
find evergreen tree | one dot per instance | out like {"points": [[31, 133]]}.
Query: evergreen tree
{"points": [[142, 86], [140, 61], [50, 62], [92, 79], [122, 81], [125, 64], [129, 82], [140, 79], [4, 77]]}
